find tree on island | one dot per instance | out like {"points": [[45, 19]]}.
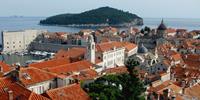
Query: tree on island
{"points": [[118, 87]]}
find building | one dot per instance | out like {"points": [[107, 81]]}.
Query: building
{"points": [[10, 90], [34, 79], [71, 92], [17, 41], [4, 68], [109, 54], [73, 54], [69, 73]]}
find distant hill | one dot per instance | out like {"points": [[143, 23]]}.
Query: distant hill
{"points": [[99, 17]]}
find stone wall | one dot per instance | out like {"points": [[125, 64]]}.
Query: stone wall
{"points": [[50, 47]]}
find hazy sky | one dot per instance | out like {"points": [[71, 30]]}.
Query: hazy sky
{"points": [[144, 8]]}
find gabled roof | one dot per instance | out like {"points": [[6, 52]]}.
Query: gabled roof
{"points": [[102, 47], [71, 53], [116, 70], [107, 46], [30, 76], [166, 85], [72, 67], [88, 74], [5, 67], [71, 92], [19, 92], [193, 91], [50, 63]]}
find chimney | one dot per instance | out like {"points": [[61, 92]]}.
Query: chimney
{"points": [[10, 95], [15, 74], [1, 69], [183, 90]]}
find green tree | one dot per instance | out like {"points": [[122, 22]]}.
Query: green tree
{"points": [[118, 87], [131, 64]]}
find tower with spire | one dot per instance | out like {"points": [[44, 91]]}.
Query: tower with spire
{"points": [[161, 30]]}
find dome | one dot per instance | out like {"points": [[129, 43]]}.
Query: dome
{"points": [[162, 26], [142, 49]]}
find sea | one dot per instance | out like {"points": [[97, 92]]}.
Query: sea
{"points": [[22, 23]]}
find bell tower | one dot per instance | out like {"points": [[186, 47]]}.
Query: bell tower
{"points": [[91, 49]]}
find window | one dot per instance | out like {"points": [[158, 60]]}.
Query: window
{"points": [[7, 47], [19, 41], [19, 45], [7, 42], [13, 42], [13, 46]]}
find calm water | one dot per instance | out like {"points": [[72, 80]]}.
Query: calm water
{"points": [[21, 23], [11, 59]]}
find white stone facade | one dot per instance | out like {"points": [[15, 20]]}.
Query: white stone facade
{"points": [[17, 41], [113, 58], [42, 87]]}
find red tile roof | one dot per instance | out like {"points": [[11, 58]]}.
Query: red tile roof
{"points": [[72, 92], [193, 91], [171, 30], [116, 70], [5, 67], [129, 46], [36, 76], [166, 85], [50, 63], [107, 46], [70, 68], [19, 92], [89, 74], [71, 53]]}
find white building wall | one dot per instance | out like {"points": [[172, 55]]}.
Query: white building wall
{"points": [[113, 57], [132, 52], [63, 82], [17, 41], [40, 88]]}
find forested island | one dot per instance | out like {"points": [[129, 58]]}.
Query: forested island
{"points": [[97, 17]]}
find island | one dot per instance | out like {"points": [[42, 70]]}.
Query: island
{"points": [[97, 17]]}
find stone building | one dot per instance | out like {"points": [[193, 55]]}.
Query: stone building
{"points": [[154, 37], [17, 41]]}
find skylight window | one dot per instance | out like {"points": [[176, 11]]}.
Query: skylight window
{"points": [[26, 76]]}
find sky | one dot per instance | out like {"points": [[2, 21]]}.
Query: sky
{"points": [[143, 8]]}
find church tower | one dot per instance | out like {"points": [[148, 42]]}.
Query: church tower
{"points": [[91, 49], [161, 30]]}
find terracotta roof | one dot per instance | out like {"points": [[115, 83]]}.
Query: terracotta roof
{"points": [[5, 67], [193, 91], [129, 46], [50, 63], [71, 53], [71, 92], [89, 74], [166, 62], [105, 39], [19, 92], [4, 82], [116, 70], [102, 47], [171, 30], [181, 30], [166, 85], [35, 75], [70, 68]]}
